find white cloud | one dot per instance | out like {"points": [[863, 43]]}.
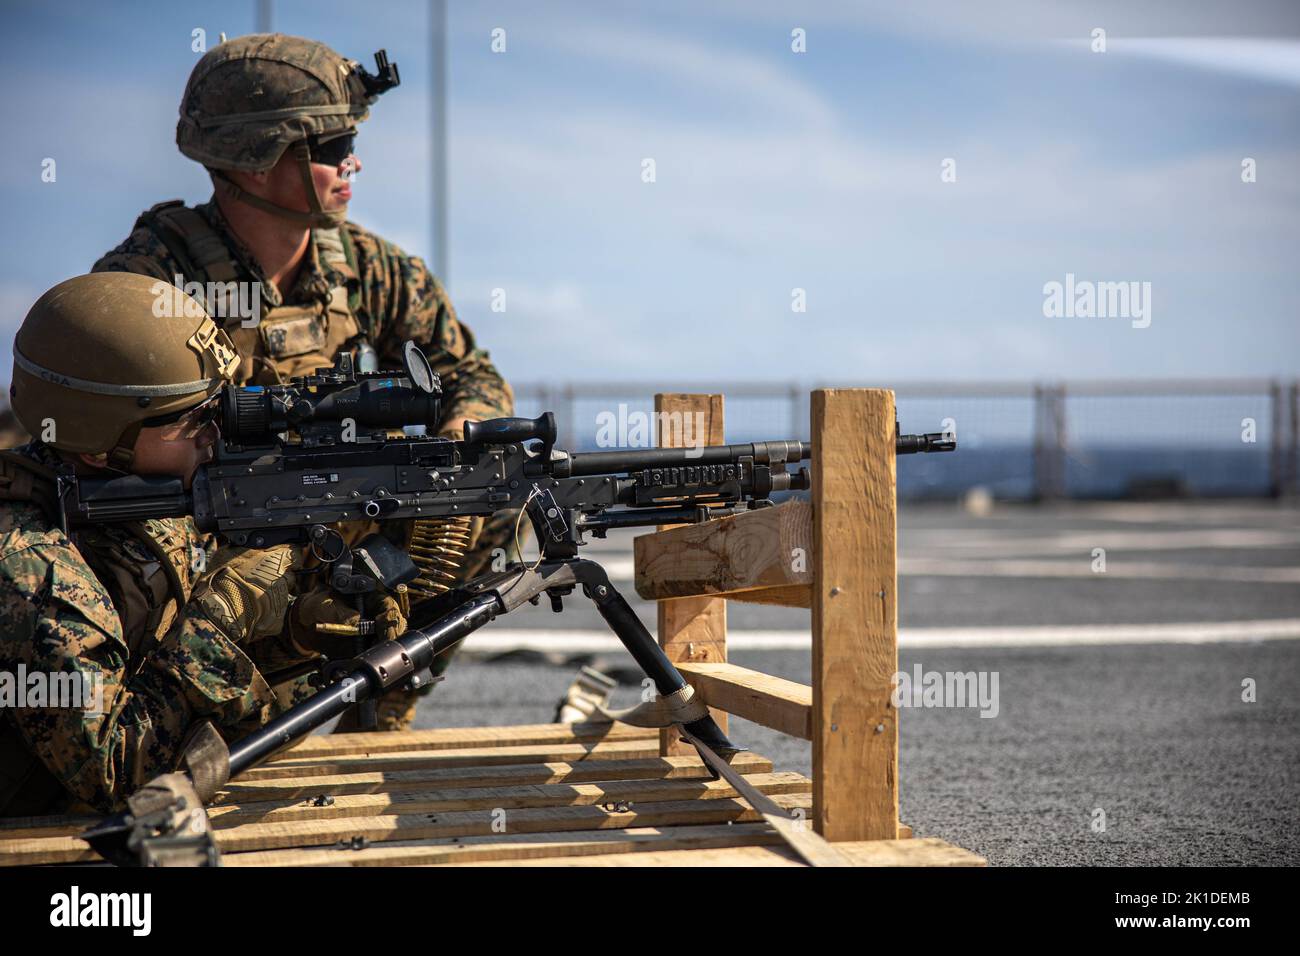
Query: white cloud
{"points": [[1271, 60], [700, 69]]}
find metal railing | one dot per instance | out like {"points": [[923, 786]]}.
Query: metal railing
{"points": [[1020, 440]]}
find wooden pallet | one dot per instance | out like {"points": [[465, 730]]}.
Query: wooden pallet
{"points": [[541, 795], [615, 795]]}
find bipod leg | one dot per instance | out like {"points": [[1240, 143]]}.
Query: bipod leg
{"points": [[669, 682]]}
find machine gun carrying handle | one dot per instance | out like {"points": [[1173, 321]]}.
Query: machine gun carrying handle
{"points": [[503, 430]]}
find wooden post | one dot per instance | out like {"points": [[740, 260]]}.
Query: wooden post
{"points": [[690, 629], [854, 615]]}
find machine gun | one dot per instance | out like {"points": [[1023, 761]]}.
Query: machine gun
{"points": [[296, 460]]}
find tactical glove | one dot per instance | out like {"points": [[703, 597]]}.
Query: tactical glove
{"points": [[248, 593], [342, 623]]}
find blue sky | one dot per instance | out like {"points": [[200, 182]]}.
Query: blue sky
{"points": [[775, 171]]}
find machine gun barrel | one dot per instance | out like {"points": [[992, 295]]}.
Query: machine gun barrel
{"points": [[923, 444], [610, 462], [583, 464]]}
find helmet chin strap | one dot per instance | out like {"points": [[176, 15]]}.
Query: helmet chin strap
{"points": [[318, 216], [122, 455]]}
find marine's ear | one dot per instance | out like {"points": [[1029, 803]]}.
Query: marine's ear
{"points": [[244, 178]]}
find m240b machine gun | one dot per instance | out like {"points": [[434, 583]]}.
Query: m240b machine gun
{"points": [[296, 460]]}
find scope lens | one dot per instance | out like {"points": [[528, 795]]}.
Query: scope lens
{"points": [[417, 367]]}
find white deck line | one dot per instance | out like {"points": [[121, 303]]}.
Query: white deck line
{"points": [[498, 640]]}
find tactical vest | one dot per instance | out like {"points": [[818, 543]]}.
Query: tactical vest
{"points": [[146, 568], [290, 340]]}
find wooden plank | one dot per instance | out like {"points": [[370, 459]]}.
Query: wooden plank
{"points": [[460, 738], [432, 759], [654, 768], [497, 848], [421, 826], [794, 595], [308, 788], [771, 701], [928, 852], [855, 615], [405, 802], [52, 826], [811, 847], [691, 629], [471, 746], [56, 822], [757, 856], [758, 550], [243, 792]]}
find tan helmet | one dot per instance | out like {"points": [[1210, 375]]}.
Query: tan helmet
{"points": [[100, 354], [251, 98]]}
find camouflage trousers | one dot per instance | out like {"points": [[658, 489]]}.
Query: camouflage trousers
{"points": [[491, 539]]}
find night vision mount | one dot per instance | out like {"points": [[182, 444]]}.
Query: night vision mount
{"points": [[384, 78]]}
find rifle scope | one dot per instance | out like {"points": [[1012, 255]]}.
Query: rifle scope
{"points": [[323, 403]]}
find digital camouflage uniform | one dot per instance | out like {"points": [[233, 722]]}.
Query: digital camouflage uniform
{"points": [[103, 606], [250, 103], [393, 298]]}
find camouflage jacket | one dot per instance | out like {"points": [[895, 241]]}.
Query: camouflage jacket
{"points": [[395, 299], [132, 693]]}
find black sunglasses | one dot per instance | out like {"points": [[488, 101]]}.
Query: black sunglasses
{"points": [[330, 152]]}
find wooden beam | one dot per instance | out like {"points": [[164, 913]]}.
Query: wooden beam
{"points": [[654, 768], [771, 701], [930, 851], [793, 595], [522, 846], [532, 796], [690, 629], [889, 853], [242, 794], [854, 615], [460, 738], [763, 549], [469, 757], [424, 826]]}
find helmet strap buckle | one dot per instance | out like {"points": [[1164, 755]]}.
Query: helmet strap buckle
{"points": [[123, 453]]}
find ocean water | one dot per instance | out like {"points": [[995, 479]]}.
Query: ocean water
{"points": [[1090, 472]]}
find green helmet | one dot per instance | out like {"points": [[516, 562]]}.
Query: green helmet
{"points": [[100, 354], [251, 98]]}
